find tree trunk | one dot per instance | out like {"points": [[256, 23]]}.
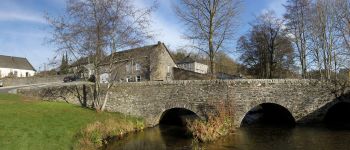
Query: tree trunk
{"points": [[105, 101], [211, 44]]}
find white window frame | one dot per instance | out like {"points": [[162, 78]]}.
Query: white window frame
{"points": [[128, 68], [15, 73], [137, 67], [128, 79], [138, 78]]}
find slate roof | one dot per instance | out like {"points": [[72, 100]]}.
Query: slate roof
{"points": [[132, 53], [125, 54], [15, 63], [81, 61]]}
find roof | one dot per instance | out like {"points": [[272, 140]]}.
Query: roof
{"points": [[15, 63], [126, 54], [139, 51], [186, 60], [81, 61]]}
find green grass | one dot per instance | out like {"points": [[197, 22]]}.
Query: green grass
{"points": [[30, 124]]}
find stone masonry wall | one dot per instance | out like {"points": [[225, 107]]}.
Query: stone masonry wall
{"points": [[150, 100], [73, 93], [31, 80], [305, 99]]}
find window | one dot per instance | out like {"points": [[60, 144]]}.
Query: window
{"points": [[128, 68], [27, 74], [15, 73], [169, 69], [137, 67], [128, 79], [138, 78]]}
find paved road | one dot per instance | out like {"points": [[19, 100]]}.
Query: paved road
{"points": [[12, 89]]}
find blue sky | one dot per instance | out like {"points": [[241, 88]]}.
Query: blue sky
{"points": [[23, 30]]}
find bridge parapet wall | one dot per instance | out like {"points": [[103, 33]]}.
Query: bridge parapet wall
{"points": [[150, 99]]}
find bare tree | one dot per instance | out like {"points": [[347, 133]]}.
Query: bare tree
{"points": [[210, 24], [298, 18], [267, 51], [95, 28], [343, 22], [325, 37], [270, 27]]}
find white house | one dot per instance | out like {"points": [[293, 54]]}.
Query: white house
{"points": [[15, 66], [191, 65]]}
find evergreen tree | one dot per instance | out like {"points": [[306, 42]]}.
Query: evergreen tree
{"points": [[64, 64]]}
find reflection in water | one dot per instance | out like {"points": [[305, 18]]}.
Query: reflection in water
{"points": [[299, 138], [156, 138]]}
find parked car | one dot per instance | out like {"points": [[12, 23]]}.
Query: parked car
{"points": [[92, 78], [1, 83], [70, 78]]}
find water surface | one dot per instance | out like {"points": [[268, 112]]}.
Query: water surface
{"points": [[298, 138]]}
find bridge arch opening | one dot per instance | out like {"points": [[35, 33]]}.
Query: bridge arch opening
{"points": [[268, 115], [338, 116], [177, 117]]}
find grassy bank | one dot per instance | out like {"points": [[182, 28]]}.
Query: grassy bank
{"points": [[32, 124]]}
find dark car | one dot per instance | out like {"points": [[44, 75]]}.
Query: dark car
{"points": [[92, 78], [70, 78]]}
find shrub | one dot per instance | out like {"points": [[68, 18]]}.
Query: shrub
{"points": [[98, 134], [217, 124]]}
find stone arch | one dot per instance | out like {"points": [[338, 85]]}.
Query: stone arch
{"points": [[270, 114], [178, 111], [177, 116], [337, 115]]}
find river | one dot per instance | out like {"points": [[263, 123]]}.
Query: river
{"points": [[298, 138]]}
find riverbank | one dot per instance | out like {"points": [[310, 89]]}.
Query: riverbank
{"points": [[27, 123]]}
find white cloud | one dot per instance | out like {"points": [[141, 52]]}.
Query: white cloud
{"points": [[168, 33], [276, 6], [21, 16], [165, 29]]}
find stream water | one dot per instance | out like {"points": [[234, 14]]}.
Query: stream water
{"points": [[263, 138]]}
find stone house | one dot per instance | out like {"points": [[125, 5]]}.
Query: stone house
{"points": [[148, 63], [191, 65], [82, 67], [15, 67]]}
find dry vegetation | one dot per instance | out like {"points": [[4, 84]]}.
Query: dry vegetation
{"points": [[217, 125], [99, 133]]}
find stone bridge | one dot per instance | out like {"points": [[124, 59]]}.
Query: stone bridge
{"points": [[306, 100]]}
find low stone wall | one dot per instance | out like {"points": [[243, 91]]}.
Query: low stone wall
{"points": [[31, 80], [78, 93], [306, 100]]}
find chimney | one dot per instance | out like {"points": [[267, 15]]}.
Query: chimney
{"points": [[159, 43]]}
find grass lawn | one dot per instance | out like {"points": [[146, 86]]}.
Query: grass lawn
{"points": [[31, 124]]}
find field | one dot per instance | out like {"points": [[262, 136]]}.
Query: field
{"points": [[27, 123]]}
